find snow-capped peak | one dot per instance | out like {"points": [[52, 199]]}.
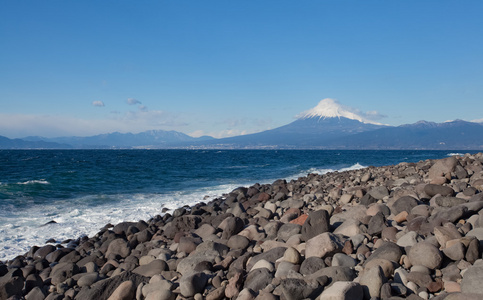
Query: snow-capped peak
{"points": [[330, 108]]}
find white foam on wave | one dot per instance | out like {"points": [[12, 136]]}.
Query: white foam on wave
{"points": [[19, 230], [355, 166], [40, 181], [455, 154]]}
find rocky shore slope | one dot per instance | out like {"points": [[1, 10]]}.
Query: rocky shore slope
{"points": [[409, 231]]}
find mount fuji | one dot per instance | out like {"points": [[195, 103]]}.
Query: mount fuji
{"points": [[313, 128]]}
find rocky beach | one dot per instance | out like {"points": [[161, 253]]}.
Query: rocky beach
{"points": [[408, 231]]}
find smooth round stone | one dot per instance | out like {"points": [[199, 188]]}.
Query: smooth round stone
{"points": [[409, 239], [263, 264], [291, 255], [343, 260], [425, 254]]}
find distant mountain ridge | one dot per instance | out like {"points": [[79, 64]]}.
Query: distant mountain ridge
{"points": [[150, 138], [326, 126]]}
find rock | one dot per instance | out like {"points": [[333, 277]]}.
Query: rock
{"points": [[449, 201], [270, 256], [263, 264], [425, 254], [442, 168], [419, 278], [343, 260], [62, 271], [287, 230], [311, 265], [118, 247], [88, 279], [405, 203], [343, 290], [455, 252], [372, 281], [284, 268], [231, 226], [258, 279], [472, 279], [155, 267], [11, 284], [125, 291], [317, 222], [104, 288], [238, 242], [379, 192], [376, 224], [388, 250], [297, 289], [291, 255], [35, 294], [246, 294], [408, 240], [193, 284], [349, 228], [323, 244], [367, 199], [434, 189], [42, 252], [334, 274], [386, 266]]}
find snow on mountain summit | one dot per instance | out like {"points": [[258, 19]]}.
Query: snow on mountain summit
{"points": [[330, 108]]}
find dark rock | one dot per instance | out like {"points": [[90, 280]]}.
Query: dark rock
{"points": [[405, 203], [388, 250], [42, 252], [335, 274], [11, 284], [35, 294], [238, 242], [449, 201], [151, 269], [317, 222], [298, 289], [287, 230], [104, 288], [33, 280], [376, 224], [311, 265], [434, 189], [367, 199], [62, 271], [425, 254], [193, 284], [258, 279], [233, 225], [122, 227], [270, 256]]}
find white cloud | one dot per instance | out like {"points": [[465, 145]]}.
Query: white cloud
{"points": [[19, 125], [98, 103], [478, 121], [133, 101]]}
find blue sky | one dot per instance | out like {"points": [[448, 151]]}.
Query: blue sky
{"points": [[224, 68]]}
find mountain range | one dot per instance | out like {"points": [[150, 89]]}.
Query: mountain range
{"points": [[326, 126]]}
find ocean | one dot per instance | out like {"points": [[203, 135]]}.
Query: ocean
{"points": [[82, 190]]}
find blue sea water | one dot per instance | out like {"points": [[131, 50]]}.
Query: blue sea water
{"points": [[82, 190]]}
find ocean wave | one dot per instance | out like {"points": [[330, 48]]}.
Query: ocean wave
{"points": [[41, 181], [323, 171], [455, 154], [85, 216]]}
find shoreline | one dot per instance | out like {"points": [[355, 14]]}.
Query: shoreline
{"points": [[410, 230]]}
